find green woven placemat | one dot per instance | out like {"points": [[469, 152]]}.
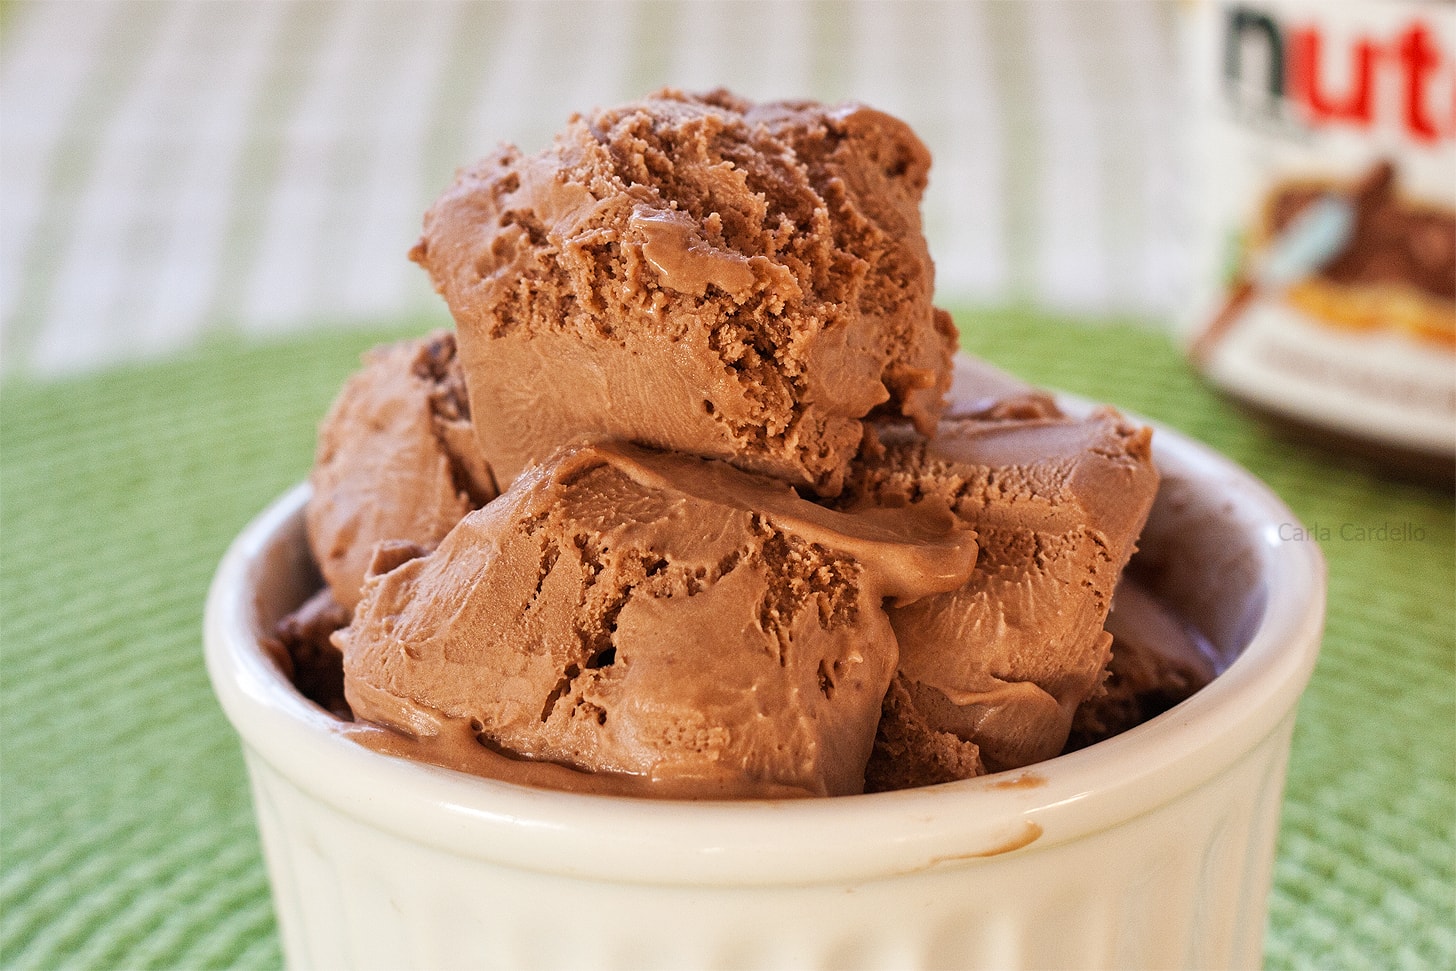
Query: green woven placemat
{"points": [[126, 835]]}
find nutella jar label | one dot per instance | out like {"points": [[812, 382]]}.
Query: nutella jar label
{"points": [[1325, 258]]}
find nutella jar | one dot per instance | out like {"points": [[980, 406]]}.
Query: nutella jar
{"points": [[1325, 261]]}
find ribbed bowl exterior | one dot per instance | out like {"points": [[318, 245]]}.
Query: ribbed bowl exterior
{"points": [[1182, 886]]}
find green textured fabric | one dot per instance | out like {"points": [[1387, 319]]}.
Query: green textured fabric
{"points": [[126, 833]]}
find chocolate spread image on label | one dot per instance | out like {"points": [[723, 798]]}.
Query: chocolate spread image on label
{"points": [[1395, 243], [1356, 256]]}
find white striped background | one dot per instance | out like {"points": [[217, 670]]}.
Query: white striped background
{"points": [[170, 168]]}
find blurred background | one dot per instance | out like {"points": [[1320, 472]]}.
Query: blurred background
{"points": [[171, 168]]}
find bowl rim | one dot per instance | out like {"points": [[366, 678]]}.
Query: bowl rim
{"points": [[754, 842]]}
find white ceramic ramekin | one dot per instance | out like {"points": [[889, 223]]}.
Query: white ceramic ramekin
{"points": [[1150, 850]]}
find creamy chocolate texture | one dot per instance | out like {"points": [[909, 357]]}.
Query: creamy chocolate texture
{"points": [[396, 460], [688, 515], [1157, 661], [991, 674], [696, 273], [301, 645], [653, 615]]}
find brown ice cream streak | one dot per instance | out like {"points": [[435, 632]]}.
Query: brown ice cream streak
{"points": [[1240, 294], [700, 274], [676, 624], [991, 674]]}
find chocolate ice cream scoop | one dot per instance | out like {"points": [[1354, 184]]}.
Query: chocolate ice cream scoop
{"points": [[699, 274], [396, 460], [991, 673], [1158, 660], [699, 629]]}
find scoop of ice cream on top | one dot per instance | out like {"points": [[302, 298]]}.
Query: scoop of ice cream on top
{"points": [[396, 460], [636, 613], [991, 674], [698, 274]]}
